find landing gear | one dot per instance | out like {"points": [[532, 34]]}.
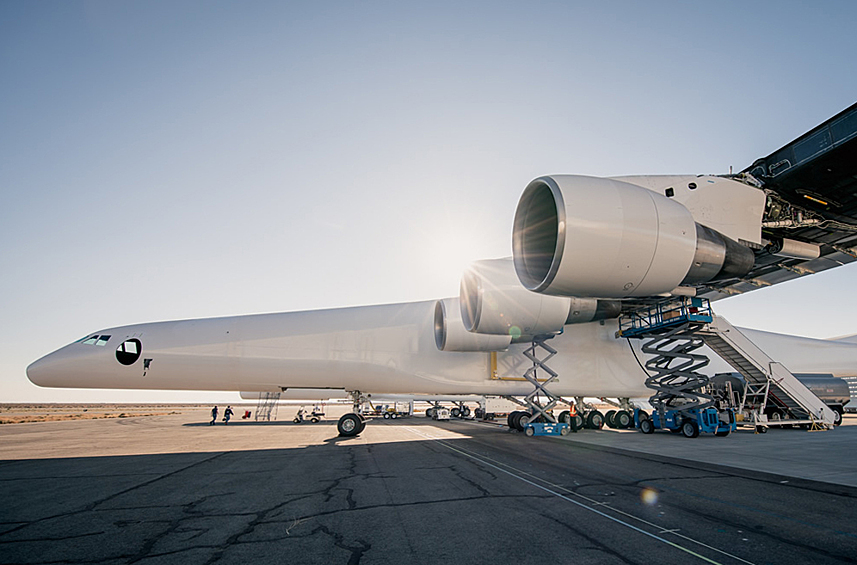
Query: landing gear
{"points": [[518, 420], [608, 418], [350, 425], [594, 420], [623, 420], [353, 423]]}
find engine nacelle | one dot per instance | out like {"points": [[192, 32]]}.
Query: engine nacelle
{"points": [[595, 237], [494, 302], [450, 334]]}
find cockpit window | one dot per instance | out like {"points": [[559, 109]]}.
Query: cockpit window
{"points": [[129, 351], [95, 340]]}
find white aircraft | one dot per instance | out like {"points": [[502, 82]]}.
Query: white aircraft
{"points": [[585, 251]]}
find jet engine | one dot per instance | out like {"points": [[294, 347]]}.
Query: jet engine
{"points": [[494, 302], [450, 334], [604, 238]]}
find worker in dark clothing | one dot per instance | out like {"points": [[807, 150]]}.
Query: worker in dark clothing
{"points": [[213, 416], [227, 414]]}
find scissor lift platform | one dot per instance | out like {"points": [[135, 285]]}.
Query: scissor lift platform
{"points": [[664, 316]]}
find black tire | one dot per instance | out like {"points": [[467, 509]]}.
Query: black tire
{"points": [[510, 419], [689, 429], [608, 418], [314, 420], [623, 420], [529, 431], [564, 417], [466, 412], [429, 412], [595, 420], [523, 418], [774, 416], [455, 412], [761, 429], [576, 422], [837, 415], [350, 425], [722, 433], [646, 426], [478, 413], [386, 415]]}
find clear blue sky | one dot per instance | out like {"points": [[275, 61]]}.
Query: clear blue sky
{"points": [[164, 160]]}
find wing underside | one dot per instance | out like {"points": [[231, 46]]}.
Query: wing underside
{"points": [[811, 185]]}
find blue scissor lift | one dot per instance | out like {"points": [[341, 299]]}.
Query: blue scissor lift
{"points": [[679, 400]]}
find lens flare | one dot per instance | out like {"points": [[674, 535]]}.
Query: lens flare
{"points": [[515, 332], [649, 496]]}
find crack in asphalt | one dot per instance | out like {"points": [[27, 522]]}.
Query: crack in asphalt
{"points": [[92, 505]]}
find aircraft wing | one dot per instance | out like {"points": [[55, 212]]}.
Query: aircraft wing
{"points": [[812, 197]]}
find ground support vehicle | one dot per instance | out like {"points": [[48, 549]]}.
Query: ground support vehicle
{"points": [[687, 422], [546, 429], [315, 416]]}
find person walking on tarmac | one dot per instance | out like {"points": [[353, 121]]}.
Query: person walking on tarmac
{"points": [[227, 414], [213, 416]]}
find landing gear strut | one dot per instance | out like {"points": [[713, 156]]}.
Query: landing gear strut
{"points": [[351, 424]]}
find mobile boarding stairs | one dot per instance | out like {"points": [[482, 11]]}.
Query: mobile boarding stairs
{"points": [[676, 327]]}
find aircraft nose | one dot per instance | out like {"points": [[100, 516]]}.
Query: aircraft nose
{"points": [[46, 371]]}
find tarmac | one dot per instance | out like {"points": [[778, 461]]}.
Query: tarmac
{"points": [[173, 489], [821, 456]]}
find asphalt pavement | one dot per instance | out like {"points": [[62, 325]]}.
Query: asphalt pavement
{"points": [[172, 489]]}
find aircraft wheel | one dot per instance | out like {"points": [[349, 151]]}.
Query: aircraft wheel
{"points": [[429, 412], [595, 420], [465, 411], [564, 417], [455, 412], [646, 426], [350, 425], [608, 419], [576, 422], [689, 428], [523, 420], [623, 420], [510, 419], [529, 431]]}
